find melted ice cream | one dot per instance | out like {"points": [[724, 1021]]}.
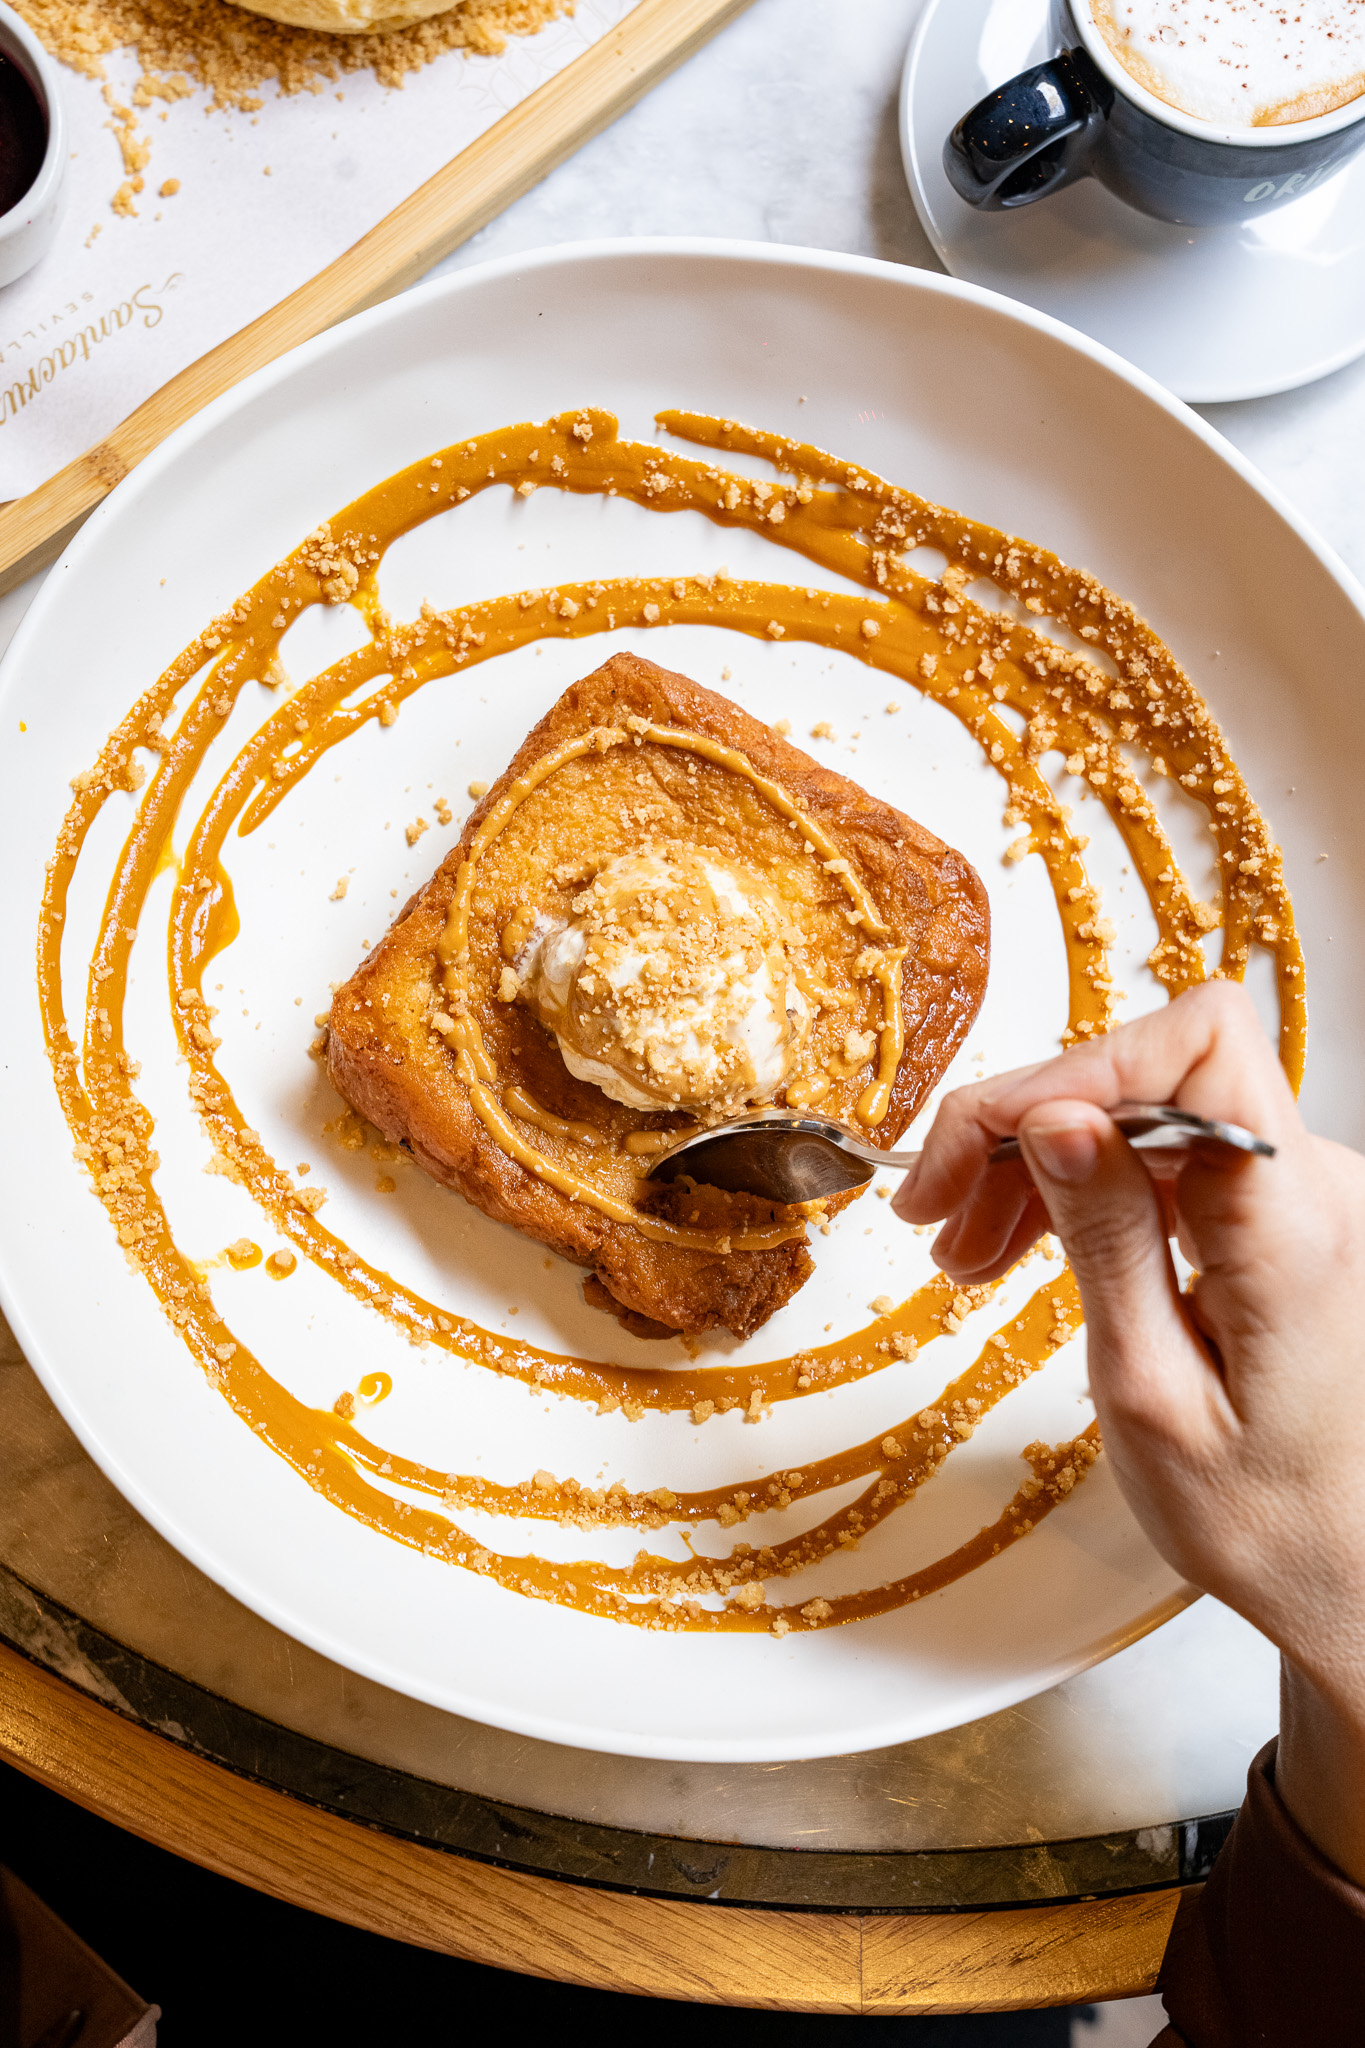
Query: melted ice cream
{"points": [[671, 986]]}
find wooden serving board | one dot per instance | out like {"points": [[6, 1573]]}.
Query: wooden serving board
{"points": [[472, 189]]}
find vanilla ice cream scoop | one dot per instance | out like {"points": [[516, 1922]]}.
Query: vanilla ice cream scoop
{"points": [[672, 986]]}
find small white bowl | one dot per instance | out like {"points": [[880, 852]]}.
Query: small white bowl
{"points": [[27, 230]]}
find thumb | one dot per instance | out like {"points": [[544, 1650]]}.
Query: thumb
{"points": [[1107, 1213]]}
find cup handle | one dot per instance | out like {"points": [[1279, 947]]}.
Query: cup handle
{"points": [[1031, 136]]}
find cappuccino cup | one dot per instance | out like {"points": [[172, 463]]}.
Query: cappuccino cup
{"points": [[1195, 111]]}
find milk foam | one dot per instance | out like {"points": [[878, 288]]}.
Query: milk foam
{"points": [[1240, 63]]}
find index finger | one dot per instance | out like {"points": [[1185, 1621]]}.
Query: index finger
{"points": [[1205, 1052]]}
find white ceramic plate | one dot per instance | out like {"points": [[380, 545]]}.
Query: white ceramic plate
{"points": [[973, 401], [1214, 313]]}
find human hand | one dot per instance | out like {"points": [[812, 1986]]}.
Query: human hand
{"points": [[1235, 1415]]}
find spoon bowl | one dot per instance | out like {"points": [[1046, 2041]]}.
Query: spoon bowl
{"points": [[777, 1156]]}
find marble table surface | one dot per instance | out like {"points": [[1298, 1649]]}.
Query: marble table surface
{"points": [[1120, 1757], [783, 129]]}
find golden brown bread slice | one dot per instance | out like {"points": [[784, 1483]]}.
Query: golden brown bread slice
{"points": [[393, 1067]]}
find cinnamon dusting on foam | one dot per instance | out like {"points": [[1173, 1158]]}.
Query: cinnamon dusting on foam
{"points": [[949, 638], [1240, 63]]}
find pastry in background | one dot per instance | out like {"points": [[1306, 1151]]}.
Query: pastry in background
{"points": [[347, 17]]}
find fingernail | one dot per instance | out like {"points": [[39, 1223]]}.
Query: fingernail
{"points": [[942, 1246], [1062, 1151], [903, 1193]]}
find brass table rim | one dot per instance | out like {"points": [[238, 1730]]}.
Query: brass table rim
{"points": [[505, 1836], [646, 1946]]}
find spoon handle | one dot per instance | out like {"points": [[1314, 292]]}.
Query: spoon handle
{"points": [[899, 1162], [1148, 1127], [1160, 1127]]}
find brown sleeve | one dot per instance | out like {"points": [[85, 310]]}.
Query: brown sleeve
{"points": [[1272, 1953]]}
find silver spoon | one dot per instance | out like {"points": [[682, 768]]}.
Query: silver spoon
{"points": [[781, 1157]]}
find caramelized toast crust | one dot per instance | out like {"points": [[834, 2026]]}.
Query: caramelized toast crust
{"points": [[392, 1066]]}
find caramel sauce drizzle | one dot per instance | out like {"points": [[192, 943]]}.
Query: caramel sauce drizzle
{"points": [[968, 652], [528, 1111], [475, 1068]]}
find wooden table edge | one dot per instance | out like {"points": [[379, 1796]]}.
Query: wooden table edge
{"points": [[462, 197], [1005, 1959]]}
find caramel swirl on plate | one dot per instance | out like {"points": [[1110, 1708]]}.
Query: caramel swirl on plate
{"points": [[1033, 658]]}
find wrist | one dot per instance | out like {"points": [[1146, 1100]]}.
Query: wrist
{"points": [[1320, 1767]]}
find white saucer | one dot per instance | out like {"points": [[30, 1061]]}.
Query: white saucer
{"points": [[1214, 313]]}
